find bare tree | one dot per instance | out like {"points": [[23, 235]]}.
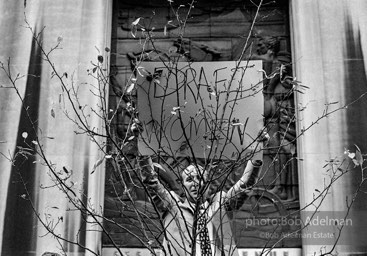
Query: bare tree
{"points": [[202, 160]]}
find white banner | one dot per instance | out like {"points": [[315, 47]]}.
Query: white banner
{"points": [[216, 106]]}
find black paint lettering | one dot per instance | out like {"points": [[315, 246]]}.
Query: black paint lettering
{"points": [[215, 73], [193, 73], [241, 134], [173, 129]]}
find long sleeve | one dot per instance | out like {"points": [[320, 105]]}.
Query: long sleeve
{"points": [[161, 198], [236, 195]]}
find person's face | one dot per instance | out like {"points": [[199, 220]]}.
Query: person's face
{"points": [[261, 48], [194, 183]]}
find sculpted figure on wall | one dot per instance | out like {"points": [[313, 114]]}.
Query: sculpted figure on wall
{"points": [[279, 114], [267, 49]]}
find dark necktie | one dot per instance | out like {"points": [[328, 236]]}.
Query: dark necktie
{"points": [[203, 233]]}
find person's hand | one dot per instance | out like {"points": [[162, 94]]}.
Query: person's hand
{"points": [[263, 136], [256, 150], [146, 167]]}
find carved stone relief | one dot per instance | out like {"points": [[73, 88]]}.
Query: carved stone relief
{"points": [[279, 119]]}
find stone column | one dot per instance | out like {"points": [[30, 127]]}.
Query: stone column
{"points": [[328, 47], [81, 28]]}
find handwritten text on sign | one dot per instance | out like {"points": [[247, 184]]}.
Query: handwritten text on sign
{"points": [[213, 108]]}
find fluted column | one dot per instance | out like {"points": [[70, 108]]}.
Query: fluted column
{"points": [[328, 49], [81, 27]]}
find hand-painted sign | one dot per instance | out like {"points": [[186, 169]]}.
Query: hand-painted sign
{"points": [[206, 109]]}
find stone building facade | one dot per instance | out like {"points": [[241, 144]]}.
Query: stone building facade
{"points": [[323, 40]]}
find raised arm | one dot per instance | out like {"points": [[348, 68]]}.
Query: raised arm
{"points": [[163, 199], [236, 195]]}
